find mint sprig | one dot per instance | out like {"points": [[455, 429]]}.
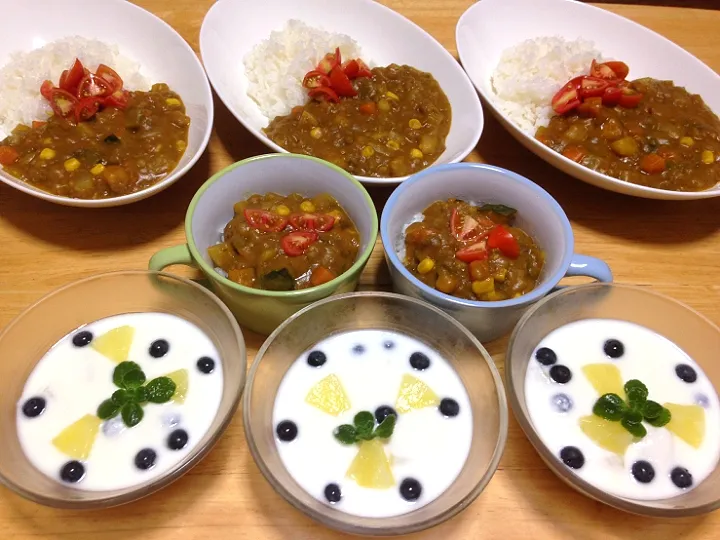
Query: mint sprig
{"points": [[133, 393], [632, 413], [363, 428]]}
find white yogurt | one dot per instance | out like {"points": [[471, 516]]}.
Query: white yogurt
{"points": [[425, 446], [73, 381], [647, 357]]}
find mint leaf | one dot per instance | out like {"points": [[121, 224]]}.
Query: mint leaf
{"points": [[140, 395], [610, 407], [364, 423], [132, 414], [133, 379], [386, 427], [633, 417], [651, 410], [120, 397], [120, 371], [499, 209], [346, 434], [637, 393], [662, 419], [107, 409], [160, 390], [636, 429]]}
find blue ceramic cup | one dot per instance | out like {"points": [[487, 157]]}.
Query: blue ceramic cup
{"points": [[538, 214]]}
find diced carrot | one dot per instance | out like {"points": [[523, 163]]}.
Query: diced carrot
{"points": [[321, 275], [652, 164], [368, 108], [574, 153], [8, 155], [37, 124]]}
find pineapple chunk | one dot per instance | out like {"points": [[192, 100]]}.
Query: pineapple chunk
{"points": [[414, 394], [687, 422], [371, 467], [329, 396], [77, 439], [608, 435], [115, 343], [605, 378], [180, 378]]}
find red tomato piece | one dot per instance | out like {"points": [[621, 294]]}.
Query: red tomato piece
{"points": [[110, 75], [503, 240], [351, 68], [63, 103], [86, 108], [568, 97], [71, 78], [611, 96], [467, 228], [602, 70], [619, 69], [46, 90], [474, 252], [36, 124], [314, 79], [92, 86], [363, 70], [593, 87], [330, 61], [118, 99], [312, 222], [341, 83], [368, 108], [264, 221], [323, 93], [630, 98], [296, 243]]}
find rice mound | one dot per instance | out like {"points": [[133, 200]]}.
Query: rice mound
{"points": [[275, 67], [22, 76], [530, 73]]}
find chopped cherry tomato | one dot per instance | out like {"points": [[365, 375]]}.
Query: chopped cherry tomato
{"points": [[330, 61], [323, 93], [611, 96], [630, 98], [321, 275], [110, 75], [312, 222], [36, 124], [46, 90], [264, 221], [314, 79], [368, 108], [609, 70], [297, 242], [590, 107], [341, 83], [351, 68], [63, 103], [70, 79], [8, 155], [92, 86], [86, 108], [467, 228], [593, 87], [575, 153], [118, 99], [503, 240], [568, 97], [363, 70], [474, 252]]}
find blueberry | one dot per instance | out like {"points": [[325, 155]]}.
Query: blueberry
{"points": [[572, 457], [113, 427], [560, 374], [72, 472], [643, 471], [159, 348], [410, 489], [358, 349], [614, 348], [82, 339], [545, 356], [33, 407], [206, 365], [382, 412], [145, 459], [419, 361], [702, 400], [286, 430], [389, 344], [562, 402], [333, 493], [178, 439], [449, 407], [681, 477], [686, 373], [316, 358]]}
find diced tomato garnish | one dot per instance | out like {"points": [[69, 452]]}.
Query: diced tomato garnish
{"points": [[63, 103], [87, 107], [264, 221], [118, 99], [368, 108], [323, 93], [474, 252], [341, 83], [111, 76], [575, 153], [327, 64], [92, 86], [593, 87], [610, 70], [363, 70], [312, 222], [467, 228], [630, 98], [568, 97], [503, 240], [46, 89], [321, 275], [71, 78], [8, 155], [611, 96], [295, 243], [351, 68], [314, 79]]}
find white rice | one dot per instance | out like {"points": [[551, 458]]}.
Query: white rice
{"points": [[275, 67], [22, 76], [530, 73]]}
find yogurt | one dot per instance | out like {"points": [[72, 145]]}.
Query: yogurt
{"points": [[382, 373], [577, 362], [57, 415]]}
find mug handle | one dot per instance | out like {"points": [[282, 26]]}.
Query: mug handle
{"points": [[584, 265], [169, 256]]}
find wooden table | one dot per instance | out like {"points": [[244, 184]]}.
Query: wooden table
{"points": [[669, 246]]}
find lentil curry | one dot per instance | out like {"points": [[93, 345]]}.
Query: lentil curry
{"points": [[472, 252]]}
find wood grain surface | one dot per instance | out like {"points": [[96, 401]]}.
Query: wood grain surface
{"points": [[672, 247]]}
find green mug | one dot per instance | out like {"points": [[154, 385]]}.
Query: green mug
{"points": [[212, 207]]}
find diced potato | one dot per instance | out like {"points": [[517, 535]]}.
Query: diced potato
{"points": [[626, 147], [222, 255], [485, 286]]}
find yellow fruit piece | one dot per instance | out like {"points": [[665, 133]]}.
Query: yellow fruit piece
{"points": [[115, 344], [180, 378], [415, 394], [329, 396], [608, 435], [76, 440], [687, 422], [371, 467], [605, 378]]}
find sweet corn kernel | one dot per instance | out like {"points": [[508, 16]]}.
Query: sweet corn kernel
{"points": [[97, 169], [282, 210], [687, 141], [391, 95], [368, 151], [316, 133], [393, 145], [337, 215], [500, 275], [707, 157], [483, 287], [47, 153], [173, 102], [71, 165], [416, 153], [307, 206], [181, 146], [414, 123], [426, 265], [47, 140]]}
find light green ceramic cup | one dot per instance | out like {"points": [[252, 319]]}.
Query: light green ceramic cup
{"points": [[212, 207]]}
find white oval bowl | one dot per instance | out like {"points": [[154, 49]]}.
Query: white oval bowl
{"points": [[233, 27], [163, 55], [489, 27]]}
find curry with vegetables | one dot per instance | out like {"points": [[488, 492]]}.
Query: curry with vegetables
{"points": [[472, 252], [386, 122], [646, 132], [283, 243]]}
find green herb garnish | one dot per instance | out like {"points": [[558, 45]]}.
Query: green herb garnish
{"points": [[363, 428], [499, 209], [133, 393], [632, 413]]}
